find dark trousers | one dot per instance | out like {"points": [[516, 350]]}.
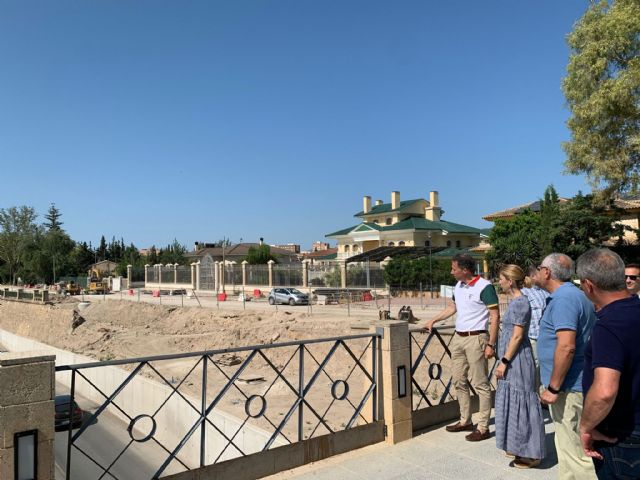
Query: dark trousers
{"points": [[621, 460]]}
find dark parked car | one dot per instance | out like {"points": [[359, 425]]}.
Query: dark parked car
{"points": [[292, 296], [62, 413]]}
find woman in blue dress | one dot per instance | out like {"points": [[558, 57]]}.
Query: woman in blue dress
{"points": [[519, 423]]}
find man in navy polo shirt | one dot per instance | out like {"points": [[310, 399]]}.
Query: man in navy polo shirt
{"points": [[610, 424], [476, 303], [564, 331]]}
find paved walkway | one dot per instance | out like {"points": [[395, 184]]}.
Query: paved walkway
{"points": [[435, 454]]}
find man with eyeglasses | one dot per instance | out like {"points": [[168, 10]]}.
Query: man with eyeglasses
{"points": [[565, 327], [632, 277]]}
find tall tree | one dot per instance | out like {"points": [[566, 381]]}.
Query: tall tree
{"points": [[53, 216], [602, 88], [549, 210], [18, 229]]}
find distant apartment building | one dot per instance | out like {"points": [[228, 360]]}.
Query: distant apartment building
{"points": [[403, 223], [320, 246], [292, 247]]}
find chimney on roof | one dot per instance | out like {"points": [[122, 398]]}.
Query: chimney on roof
{"points": [[433, 211], [395, 200], [261, 241], [378, 202], [195, 247], [366, 204]]}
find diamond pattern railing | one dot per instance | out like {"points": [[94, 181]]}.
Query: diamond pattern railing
{"points": [[154, 416], [431, 369]]}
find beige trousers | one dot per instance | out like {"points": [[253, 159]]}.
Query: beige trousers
{"points": [[573, 464], [469, 365]]}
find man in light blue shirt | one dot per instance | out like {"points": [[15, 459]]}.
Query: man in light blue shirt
{"points": [[565, 328]]}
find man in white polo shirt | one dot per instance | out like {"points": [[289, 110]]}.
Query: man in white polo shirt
{"points": [[475, 301]]}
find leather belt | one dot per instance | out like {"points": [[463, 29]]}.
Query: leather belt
{"points": [[473, 332]]}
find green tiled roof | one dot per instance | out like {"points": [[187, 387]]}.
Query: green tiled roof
{"points": [[450, 252], [421, 223], [386, 208], [355, 227], [412, 223], [331, 256]]}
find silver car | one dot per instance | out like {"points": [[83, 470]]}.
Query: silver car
{"points": [[292, 296]]}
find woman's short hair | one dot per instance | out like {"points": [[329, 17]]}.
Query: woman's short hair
{"points": [[513, 273]]}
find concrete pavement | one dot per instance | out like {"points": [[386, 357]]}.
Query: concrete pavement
{"points": [[434, 454]]}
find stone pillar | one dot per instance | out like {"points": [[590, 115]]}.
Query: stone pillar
{"points": [[146, 274], [195, 275], [244, 274], [305, 273], [27, 403], [129, 275], [343, 274], [395, 353], [485, 268], [216, 276], [175, 273], [223, 280], [270, 264]]}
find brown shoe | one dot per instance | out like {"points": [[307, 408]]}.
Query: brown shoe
{"points": [[522, 462], [458, 427], [477, 436]]}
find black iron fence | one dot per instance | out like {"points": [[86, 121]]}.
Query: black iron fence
{"points": [[172, 413], [431, 368]]}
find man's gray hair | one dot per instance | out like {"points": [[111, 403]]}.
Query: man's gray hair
{"points": [[604, 268], [560, 266]]}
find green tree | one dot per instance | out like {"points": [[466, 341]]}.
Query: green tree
{"points": [[18, 230], [53, 219], [259, 255], [517, 240], [602, 88], [549, 232], [584, 224], [174, 253]]}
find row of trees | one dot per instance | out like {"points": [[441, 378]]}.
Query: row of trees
{"points": [[33, 252], [571, 227]]}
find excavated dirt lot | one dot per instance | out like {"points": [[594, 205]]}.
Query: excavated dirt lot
{"points": [[124, 329]]}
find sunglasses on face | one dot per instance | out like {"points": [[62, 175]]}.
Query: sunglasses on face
{"points": [[632, 277]]}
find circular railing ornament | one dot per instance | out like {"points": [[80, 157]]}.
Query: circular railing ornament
{"points": [[251, 400], [345, 389], [141, 423], [435, 371]]}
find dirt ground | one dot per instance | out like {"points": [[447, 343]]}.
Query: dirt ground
{"points": [[123, 329]]}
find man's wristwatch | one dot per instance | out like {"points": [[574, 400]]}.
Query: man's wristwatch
{"points": [[553, 390], [505, 360]]}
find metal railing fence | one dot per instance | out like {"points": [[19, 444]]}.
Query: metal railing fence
{"points": [[431, 368], [183, 274], [298, 390]]}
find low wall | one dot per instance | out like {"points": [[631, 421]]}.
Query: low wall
{"points": [[143, 396]]}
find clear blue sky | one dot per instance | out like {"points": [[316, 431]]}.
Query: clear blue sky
{"points": [[197, 120]]}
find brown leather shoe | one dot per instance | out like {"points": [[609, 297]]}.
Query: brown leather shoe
{"points": [[477, 436], [522, 462], [458, 427]]}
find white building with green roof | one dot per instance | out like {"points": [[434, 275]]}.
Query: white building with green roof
{"points": [[408, 223]]}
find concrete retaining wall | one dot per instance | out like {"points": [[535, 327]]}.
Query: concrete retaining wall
{"points": [[144, 396]]}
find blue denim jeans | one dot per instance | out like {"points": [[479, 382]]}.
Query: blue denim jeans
{"points": [[621, 460]]}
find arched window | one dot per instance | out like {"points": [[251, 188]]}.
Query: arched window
{"points": [[401, 244], [427, 243], [388, 221], [391, 244], [448, 243], [355, 249], [346, 249], [457, 243]]}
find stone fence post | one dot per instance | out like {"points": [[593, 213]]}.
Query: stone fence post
{"points": [[270, 264], [244, 274], [26, 405], [305, 273], [129, 275], [195, 275], [216, 276], [394, 380], [343, 274]]}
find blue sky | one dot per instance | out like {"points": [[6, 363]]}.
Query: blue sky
{"points": [[197, 120]]}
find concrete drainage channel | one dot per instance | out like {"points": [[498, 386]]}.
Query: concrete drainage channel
{"points": [[141, 397]]}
